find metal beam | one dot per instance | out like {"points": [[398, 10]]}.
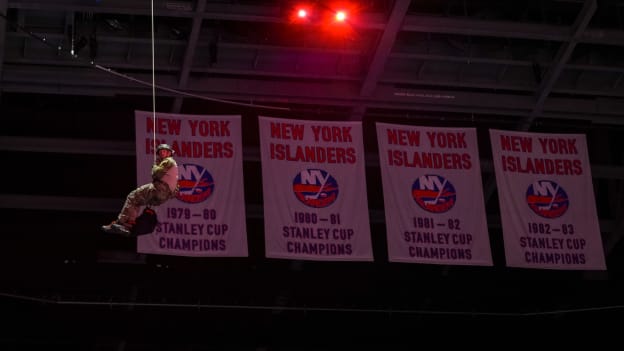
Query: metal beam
{"points": [[412, 23], [461, 59], [123, 148], [36, 60], [107, 205], [39, 58], [67, 146], [547, 83], [60, 203], [562, 57], [189, 54], [384, 47], [391, 78], [251, 13], [91, 82], [357, 113], [484, 28]]}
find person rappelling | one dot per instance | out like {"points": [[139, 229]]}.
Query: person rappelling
{"points": [[164, 186]]}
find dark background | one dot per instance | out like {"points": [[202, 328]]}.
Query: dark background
{"points": [[67, 141]]}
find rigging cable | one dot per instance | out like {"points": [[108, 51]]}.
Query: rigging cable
{"points": [[92, 63], [153, 84]]}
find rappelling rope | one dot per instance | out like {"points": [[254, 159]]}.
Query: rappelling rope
{"points": [[153, 84]]}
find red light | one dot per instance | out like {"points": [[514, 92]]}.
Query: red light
{"points": [[302, 13], [341, 16]]}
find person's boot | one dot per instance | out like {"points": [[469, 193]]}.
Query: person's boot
{"points": [[117, 228]]}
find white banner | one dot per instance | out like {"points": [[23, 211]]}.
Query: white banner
{"points": [[315, 203], [433, 196], [547, 201], [208, 216]]}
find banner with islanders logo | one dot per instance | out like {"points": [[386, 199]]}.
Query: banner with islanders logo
{"points": [[315, 202], [546, 200], [433, 196], [207, 218]]}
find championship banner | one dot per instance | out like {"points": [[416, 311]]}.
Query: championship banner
{"points": [[315, 202], [207, 218], [547, 201], [433, 196]]}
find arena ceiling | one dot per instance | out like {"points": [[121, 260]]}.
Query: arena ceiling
{"points": [[73, 72]]}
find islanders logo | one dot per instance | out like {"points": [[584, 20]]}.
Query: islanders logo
{"points": [[315, 188], [434, 193], [547, 199], [195, 182]]}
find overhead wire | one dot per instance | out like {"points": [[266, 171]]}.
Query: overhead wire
{"points": [[110, 303], [108, 70]]}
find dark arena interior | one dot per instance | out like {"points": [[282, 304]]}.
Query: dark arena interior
{"points": [[73, 73]]}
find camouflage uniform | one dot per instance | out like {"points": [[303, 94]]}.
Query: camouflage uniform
{"points": [[154, 193]]}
